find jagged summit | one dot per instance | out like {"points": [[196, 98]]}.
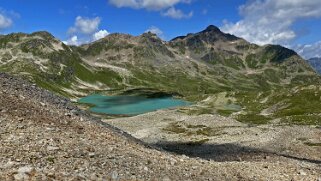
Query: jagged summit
{"points": [[209, 29], [149, 35], [210, 35], [212, 28], [213, 33]]}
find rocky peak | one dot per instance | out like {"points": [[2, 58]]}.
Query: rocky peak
{"points": [[43, 34], [210, 35], [213, 33], [149, 35], [212, 28], [150, 38]]}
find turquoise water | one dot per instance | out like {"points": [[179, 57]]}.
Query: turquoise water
{"points": [[129, 105]]}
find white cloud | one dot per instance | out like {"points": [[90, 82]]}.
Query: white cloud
{"points": [[85, 25], [155, 30], [155, 5], [5, 22], [85, 30], [310, 50], [271, 21], [72, 41], [147, 4], [100, 34], [177, 14]]}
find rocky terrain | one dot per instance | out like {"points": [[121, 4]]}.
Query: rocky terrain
{"points": [[45, 137], [222, 139]]}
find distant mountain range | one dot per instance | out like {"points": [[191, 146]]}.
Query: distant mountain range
{"points": [[316, 63], [201, 67]]}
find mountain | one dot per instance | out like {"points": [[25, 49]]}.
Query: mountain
{"points": [[219, 71], [315, 63]]}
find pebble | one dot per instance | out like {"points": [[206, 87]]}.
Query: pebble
{"points": [[166, 178], [21, 176], [302, 173], [9, 164], [25, 169], [173, 162], [146, 169], [50, 129], [52, 148], [114, 175], [68, 114], [91, 155]]}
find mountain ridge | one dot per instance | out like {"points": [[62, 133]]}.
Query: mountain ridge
{"points": [[210, 46], [199, 66]]}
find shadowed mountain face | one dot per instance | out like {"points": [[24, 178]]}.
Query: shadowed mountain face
{"points": [[197, 66], [316, 64]]}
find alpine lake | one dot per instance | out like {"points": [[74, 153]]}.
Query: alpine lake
{"points": [[129, 105]]}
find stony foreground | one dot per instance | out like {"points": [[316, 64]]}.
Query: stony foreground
{"points": [[222, 138], [44, 137]]}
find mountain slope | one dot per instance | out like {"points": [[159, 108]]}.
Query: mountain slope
{"points": [[213, 60], [219, 71], [224, 61], [46, 61]]}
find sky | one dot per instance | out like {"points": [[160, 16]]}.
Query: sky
{"points": [[295, 24]]}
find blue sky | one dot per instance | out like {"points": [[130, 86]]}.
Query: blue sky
{"points": [[295, 24]]}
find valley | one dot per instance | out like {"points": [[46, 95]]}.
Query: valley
{"points": [[229, 105]]}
